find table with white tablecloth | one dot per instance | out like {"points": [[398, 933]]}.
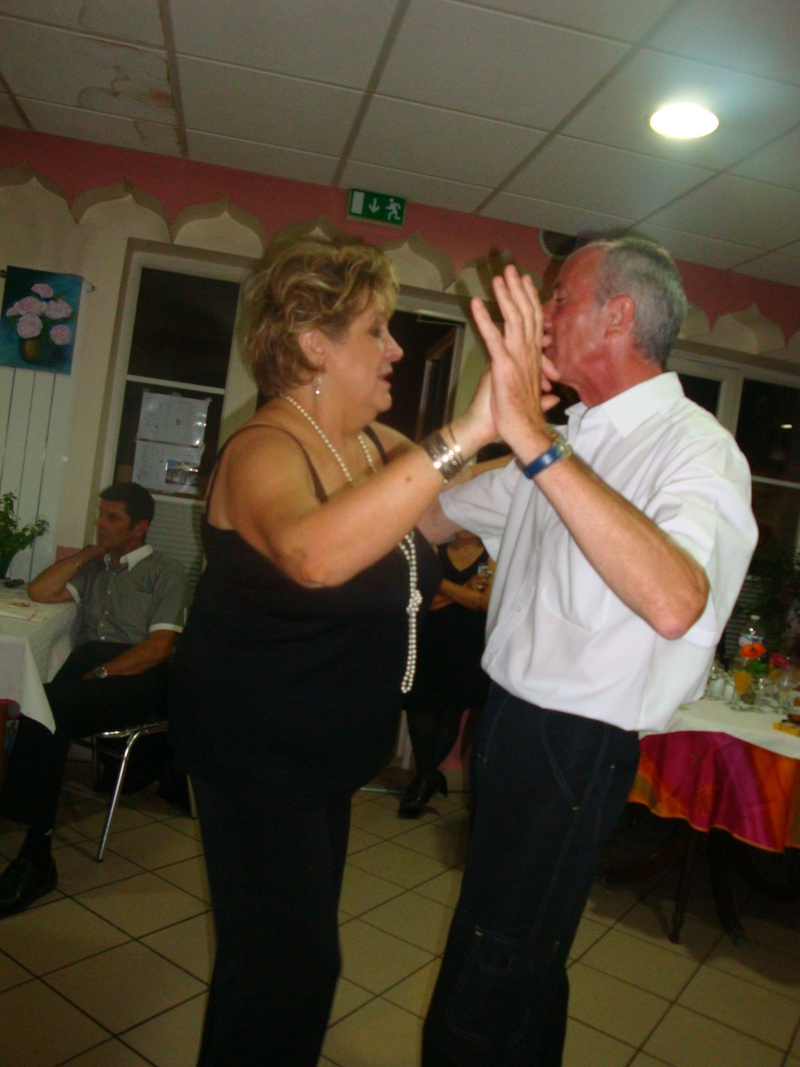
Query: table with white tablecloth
{"points": [[35, 639]]}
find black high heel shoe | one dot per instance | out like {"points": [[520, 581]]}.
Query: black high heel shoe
{"points": [[419, 793]]}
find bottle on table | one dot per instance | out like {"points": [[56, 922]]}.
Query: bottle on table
{"points": [[752, 633], [743, 668]]}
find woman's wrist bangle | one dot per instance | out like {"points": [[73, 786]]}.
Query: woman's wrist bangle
{"points": [[448, 461]]}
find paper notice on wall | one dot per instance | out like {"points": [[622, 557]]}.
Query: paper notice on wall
{"points": [[179, 420], [167, 468]]}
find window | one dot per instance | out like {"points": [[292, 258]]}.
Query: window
{"points": [[760, 405], [179, 386]]}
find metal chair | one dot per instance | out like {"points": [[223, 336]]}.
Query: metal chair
{"points": [[129, 736]]}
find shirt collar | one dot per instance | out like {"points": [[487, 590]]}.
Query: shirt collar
{"points": [[131, 558], [630, 409]]}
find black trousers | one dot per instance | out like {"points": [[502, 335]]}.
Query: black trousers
{"points": [[36, 768], [275, 881], [549, 790]]}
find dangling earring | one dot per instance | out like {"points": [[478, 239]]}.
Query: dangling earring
{"points": [[318, 385]]}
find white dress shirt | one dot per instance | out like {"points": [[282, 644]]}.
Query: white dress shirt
{"points": [[557, 636]]}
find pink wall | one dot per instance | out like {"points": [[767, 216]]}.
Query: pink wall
{"points": [[76, 166]]}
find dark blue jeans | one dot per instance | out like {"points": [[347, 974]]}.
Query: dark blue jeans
{"points": [[549, 789]]}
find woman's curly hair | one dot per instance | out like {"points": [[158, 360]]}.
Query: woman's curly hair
{"points": [[308, 284]]}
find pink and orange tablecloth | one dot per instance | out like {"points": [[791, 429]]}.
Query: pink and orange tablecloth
{"points": [[712, 778]]}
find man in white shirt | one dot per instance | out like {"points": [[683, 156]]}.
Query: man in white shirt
{"points": [[620, 552]]}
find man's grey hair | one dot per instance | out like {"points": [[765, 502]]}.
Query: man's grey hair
{"points": [[646, 272]]}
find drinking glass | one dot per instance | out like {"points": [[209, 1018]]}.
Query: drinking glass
{"points": [[760, 687], [786, 689], [742, 681]]}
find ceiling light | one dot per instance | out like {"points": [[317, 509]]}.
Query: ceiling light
{"points": [[684, 120]]}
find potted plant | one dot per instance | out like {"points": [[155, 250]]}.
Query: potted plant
{"points": [[13, 536]]}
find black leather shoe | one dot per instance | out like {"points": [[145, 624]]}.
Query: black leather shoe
{"points": [[419, 793], [23, 882]]}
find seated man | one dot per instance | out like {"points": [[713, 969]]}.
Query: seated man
{"points": [[130, 609]]}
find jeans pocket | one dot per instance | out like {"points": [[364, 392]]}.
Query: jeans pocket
{"points": [[495, 996]]}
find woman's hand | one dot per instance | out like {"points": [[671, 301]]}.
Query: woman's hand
{"points": [[521, 373], [477, 423]]}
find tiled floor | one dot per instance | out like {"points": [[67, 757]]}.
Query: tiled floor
{"points": [[110, 970]]}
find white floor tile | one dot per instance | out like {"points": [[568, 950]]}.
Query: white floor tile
{"points": [[129, 943]]}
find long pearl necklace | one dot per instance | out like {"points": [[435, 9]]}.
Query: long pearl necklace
{"points": [[407, 546]]}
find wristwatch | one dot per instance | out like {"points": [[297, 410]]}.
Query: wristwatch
{"points": [[100, 672], [560, 449]]}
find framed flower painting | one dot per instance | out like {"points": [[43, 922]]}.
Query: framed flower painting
{"points": [[38, 320]]}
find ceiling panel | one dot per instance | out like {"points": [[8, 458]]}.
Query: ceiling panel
{"points": [[444, 144], [531, 111], [773, 267], [327, 40], [779, 162], [752, 111], [141, 134], [627, 20], [264, 159], [9, 116], [269, 108], [758, 38], [724, 208], [710, 251], [106, 18], [69, 68], [605, 179], [470, 59], [563, 218]]}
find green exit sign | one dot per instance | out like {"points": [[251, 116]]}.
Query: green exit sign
{"points": [[376, 207]]}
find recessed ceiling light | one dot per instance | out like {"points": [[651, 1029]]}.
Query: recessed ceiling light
{"points": [[684, 120]]}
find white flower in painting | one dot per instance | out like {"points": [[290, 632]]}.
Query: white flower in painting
{"points": [[57, 309], [43, 290], [28, 305], [61, 334], [29, 326]]}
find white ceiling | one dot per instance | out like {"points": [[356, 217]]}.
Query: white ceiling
{"points": [[532, 111]]}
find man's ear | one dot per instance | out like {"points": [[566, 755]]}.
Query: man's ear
{"points": [[618, 314], [140, 528]]}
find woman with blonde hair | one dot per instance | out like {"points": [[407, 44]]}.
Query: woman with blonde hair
{"points": [[301, 640]]}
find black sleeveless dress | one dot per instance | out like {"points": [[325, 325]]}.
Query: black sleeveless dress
{"points": [[451, 643], [280, 690]]}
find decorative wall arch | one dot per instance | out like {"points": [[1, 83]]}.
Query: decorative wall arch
{"points": [[119, 191], [419, 263], [747, 331], [695, 326], [219, 227]]}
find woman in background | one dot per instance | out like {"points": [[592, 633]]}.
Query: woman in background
{"points": [[449, 676], [287, 681]]}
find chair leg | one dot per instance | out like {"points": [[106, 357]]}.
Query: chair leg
{"points": [[112, 807], [192, 803]]}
